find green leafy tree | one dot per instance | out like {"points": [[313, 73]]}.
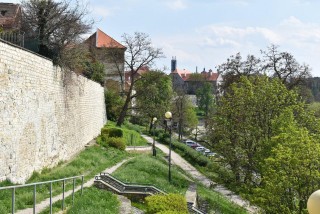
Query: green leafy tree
{"points": [[153, 95], [114, 103], [291, 173], [242, 125], [205, 98], [184, 113], [315, 108], [94, 71]]}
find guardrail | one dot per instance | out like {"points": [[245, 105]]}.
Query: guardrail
{"points": [[122, 187], [13, 188]]}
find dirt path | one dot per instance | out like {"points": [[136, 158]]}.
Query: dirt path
{"points": [[179, 161], [46, 203]]}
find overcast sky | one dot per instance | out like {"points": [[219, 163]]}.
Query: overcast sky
{"points": [[204, 33]]}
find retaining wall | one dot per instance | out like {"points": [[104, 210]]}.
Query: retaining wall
{"points": [[46, 115]]}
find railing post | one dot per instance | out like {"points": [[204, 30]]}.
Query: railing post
{"points": [[82, 184], [63, 189], [34, 198], [50, 197], [74, 184], [13, 199]]}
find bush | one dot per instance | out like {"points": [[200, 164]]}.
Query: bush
{"points": [[190, 154], [134, 127], [112, 132], [164, 137], [116, 142], [166, 204]]}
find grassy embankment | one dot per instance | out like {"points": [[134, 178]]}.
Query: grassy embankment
{"points": [[89, 162], [210, 168], [143, 169]]}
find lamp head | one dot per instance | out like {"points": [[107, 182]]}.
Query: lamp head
{"points": [[168, 115], [313, 204], [154, 119]]}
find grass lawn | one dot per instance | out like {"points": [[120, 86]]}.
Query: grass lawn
{"points": [[93, 200], [217, 202], [148, 170], [89, 162]]}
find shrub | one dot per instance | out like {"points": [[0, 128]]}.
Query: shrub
{"points": [[116, 142], [190, 154], [164, 138], [134, 127], [165, 204], [111, 132]]}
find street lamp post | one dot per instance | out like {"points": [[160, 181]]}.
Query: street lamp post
{"points": [[154, 152], [168, 116]]}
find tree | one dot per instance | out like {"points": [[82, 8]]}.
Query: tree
{"points": [[94, 71], [291, 173], [205, 98], [242, 125], [284, 66], [153, 95], [114, 103], [55, 24], [183, 113], [139, 53], [235, 67], [275, 64]]}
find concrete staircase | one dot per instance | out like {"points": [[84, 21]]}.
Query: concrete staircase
{"points": [[134, 192]]}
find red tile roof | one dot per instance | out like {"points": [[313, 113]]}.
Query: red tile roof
{"points": [[185, 75], [100, 39], [210, 76], [141, 71]]}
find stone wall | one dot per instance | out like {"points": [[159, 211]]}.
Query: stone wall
{"points": [[46, 115]]}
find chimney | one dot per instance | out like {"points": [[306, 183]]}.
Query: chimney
{"points": [[173, 64], [204, 71], [210, 72]]}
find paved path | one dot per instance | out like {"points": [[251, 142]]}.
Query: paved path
{"points": [[46, 203], [138, 148], [179, 161]]}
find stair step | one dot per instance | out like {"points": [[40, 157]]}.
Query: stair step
{"points": [[125, 205]]}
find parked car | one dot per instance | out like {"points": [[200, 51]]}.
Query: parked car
{"points": [[206, 151], [190, 143], [200, 149], [211, 154]]}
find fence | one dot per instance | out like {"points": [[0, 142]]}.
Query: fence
{"points": [[13, 37], [13, 188]]}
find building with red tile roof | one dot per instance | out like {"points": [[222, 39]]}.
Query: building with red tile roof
{"points": [[100, 39], [109, 52], [10, 16], [189, 82]]}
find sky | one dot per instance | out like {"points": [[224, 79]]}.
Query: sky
{"points": [[205, 33]]}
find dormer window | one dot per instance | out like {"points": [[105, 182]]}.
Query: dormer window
{"points": [[3, 12]]}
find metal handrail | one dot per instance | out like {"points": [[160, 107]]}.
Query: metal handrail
{"points": [[128, 185], [45, 182]]}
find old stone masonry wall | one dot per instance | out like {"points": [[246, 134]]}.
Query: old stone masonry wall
{"points": [[46, 115]]}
